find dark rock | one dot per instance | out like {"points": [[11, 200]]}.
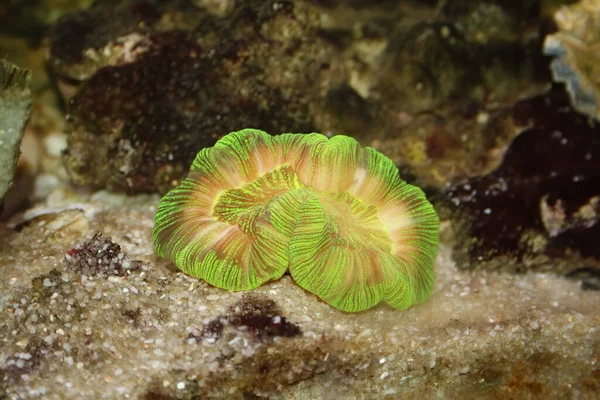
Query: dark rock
{"points": [[433, 61], [361, 4], [427, 79], [543, 199], [262, 317], [137, 123], [588, 277], [77, 37], [259, 316], [99, 257], [211, 330], [353, 112], [31, 19], [467, 51]]}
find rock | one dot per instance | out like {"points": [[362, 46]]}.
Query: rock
{"points": [[99, 257], [276, 67], [588, 277], [85, 40], [576, 57], [31, 19], [15, 106], [426, 84], [153, 95], [540, 206]]}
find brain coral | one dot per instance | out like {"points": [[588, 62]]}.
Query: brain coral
{"points": [[334, 214]]}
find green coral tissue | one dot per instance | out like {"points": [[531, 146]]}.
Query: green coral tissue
{"points": [[335, 215]]}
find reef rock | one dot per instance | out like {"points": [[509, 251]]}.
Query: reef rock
{"points": [[425, 81], [540, 208], [576, 51], [155, 82]]}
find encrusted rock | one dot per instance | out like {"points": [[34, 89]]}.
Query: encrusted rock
{"points": [[260, 317], [99, 257], [85, 40], [425, 83], [588, 277], [31, 19], [541, 203], [165, 91]]}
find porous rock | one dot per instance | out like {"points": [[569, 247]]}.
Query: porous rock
{"points": [[98, 256], [159, 92], [427, 80], [539, 208], [151, 83]]}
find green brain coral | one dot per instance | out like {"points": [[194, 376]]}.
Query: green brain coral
{"points": [[334, 214]]}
